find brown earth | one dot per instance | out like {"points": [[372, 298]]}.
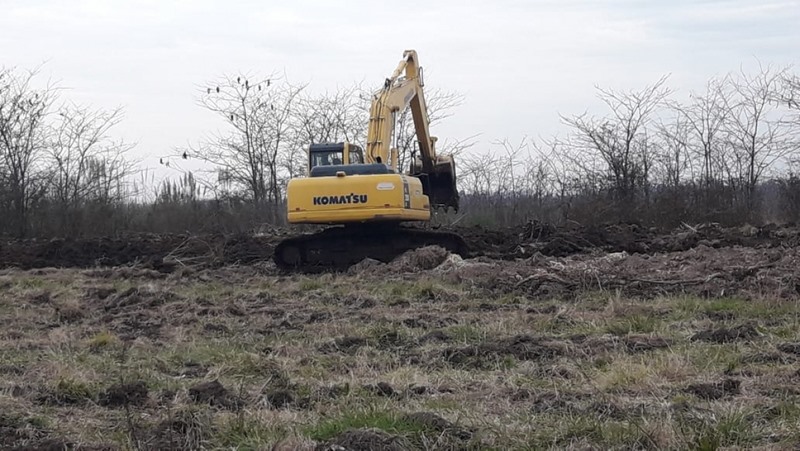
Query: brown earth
{"points": [[165, 252]]}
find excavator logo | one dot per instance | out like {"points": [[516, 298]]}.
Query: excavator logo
{"points": [[351, 198]]}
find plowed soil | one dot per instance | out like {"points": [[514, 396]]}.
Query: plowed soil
{"points": [[162, 252]]}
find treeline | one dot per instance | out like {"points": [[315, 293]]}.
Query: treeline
{"points": [[58, 164], [728, 155]]}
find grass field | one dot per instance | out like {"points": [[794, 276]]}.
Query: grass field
{"points": [[697, 351]]}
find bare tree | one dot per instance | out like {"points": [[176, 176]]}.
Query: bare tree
{"points": [[756, 131], [86, 164], [706, 116], [620, 140], [791, 90], [790, 96], [23, 110], [477, 175], [341, 116], [248, 153], [673, 154]]}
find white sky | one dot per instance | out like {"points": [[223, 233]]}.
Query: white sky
{"points": [[518, 63]]}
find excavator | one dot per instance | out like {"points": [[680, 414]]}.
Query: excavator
{"points": [[364, 195]]}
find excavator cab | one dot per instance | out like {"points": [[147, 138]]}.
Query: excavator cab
{"points": [[334, 154]]}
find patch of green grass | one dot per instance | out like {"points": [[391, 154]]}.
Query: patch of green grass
{"points": [[72, 391], [581, 428], [430, 290], [212, 291], [787, 331], [622, 374], [785, 411], [245, 432], [506, 299], [596, 299], [369, 417], [712, 357], [443, 404], [738, 308], [102, 340], [418, 434], [14, 420], [388, 336], [507, 363], [466, 333], [393, 289], [424, 290], [736, 429], [308, 284], [726, 305], [236, 357], [27, 283], [632, 324]]}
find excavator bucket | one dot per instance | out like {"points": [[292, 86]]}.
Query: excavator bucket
{"points": [[439, 184]]}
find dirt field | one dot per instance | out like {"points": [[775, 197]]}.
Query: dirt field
{"points": [[616, 337]]}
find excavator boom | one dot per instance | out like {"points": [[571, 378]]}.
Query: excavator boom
{"points": [[404, 89]]}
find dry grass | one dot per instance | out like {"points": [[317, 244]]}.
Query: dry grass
{"points": [[403, 360]]}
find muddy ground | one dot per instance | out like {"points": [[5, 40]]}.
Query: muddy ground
{"points": [[163, 252], [617, 337]]}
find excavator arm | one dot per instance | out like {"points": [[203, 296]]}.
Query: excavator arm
{"points": [[403, 89]]}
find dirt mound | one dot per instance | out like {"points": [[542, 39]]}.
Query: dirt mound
{"points": [[727, 335], [166, 252], [435, 423], [641, 343], [366, 265], [61, 445], [715, 390], [424, 258], [488, 354], [346, 344], [381, 389], [136, 298], [280, 399], [133, 313], [134, 393], [183, 430], [66, 392], [16, 429], [702, 271], [213, 393], [548, 401], [536, 237], [157, 252], [790, 348]]}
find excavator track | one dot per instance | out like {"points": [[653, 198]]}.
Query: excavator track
{"points": [[338, 248]]}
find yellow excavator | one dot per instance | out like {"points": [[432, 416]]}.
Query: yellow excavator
{"points": [[365, 194]]}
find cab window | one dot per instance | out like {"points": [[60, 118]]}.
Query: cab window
{"points": [[326, 158], [356, 155]]}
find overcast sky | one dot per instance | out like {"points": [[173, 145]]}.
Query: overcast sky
{"points": [[519, 64]]}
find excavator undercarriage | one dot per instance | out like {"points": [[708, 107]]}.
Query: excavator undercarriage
{"points": [[343, 246]]}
